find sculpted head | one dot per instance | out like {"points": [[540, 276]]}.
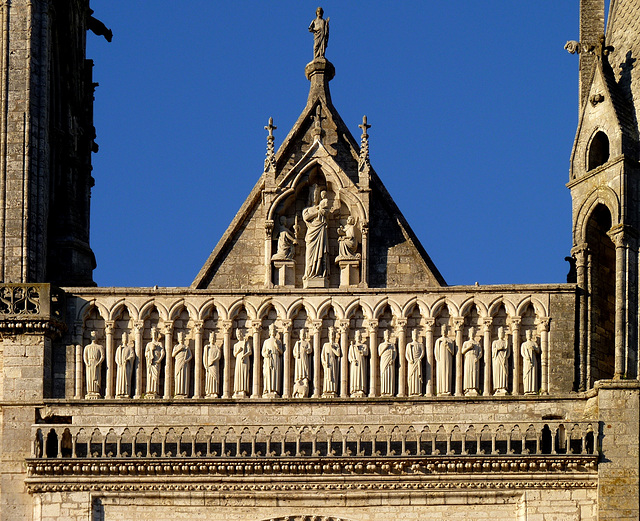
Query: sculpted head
{"points": [[302, 333], [212, 337], [272, 330], [93, 336], [282, 220], [385, 334], [472, 333], [527, 334], [240, 334], [319, 12], [180, 337], [351, 220], [356, 336], [444, 330], [154, 334], [331, 334], [501, 333], [414, 334], [124, 338]]}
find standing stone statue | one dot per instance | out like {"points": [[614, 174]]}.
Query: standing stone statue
{"points": [[242, 351], [414, 354], [211, 360], [530, 352], [93, 357], [316, 238], [388, 353], [358, 353], [444, 351], [500, 354], [330, 357], [125, 356], [301, 354], [154, 354], [348, 240], [286, 242], [182, 355], [271, 366], [472, 353], [320, 30]]}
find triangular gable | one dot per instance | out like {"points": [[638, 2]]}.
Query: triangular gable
{"points": [[365, 241]]}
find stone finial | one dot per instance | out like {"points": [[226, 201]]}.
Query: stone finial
{"points": [[270, 160], [317, 124], [363, 161]]}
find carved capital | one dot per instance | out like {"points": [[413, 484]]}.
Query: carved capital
{"points": [[138, 326], [286, 325], [543, 323], [580, 253], [256, 326], [109, 326], [487, 322], [227, 325], [342, 325], [197, 326], [372, 325], [429, 324], [622, 235], [268, 228], [168, 328], [514, 322], [458, 323], [316, 326]]}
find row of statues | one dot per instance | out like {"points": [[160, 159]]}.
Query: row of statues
{"points": [[357, 354]]}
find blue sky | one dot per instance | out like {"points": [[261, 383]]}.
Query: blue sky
{"points": [[473, 107]]}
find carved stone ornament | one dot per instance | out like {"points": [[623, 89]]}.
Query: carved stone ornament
{"points": [[530, 352], [472, 353], [93, 356], [125, 358], [320, 29], [316, 238], [330, 356], [302, 351], [388, 353], [182, 355], [500, 354], [271, 364], [348, 240], [242, 352], [154, 354], [211, 356], [287, 238], [358, 353], [414, 354], [444, 351]]}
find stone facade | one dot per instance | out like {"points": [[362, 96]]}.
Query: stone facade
{"points": [[171, 403]]}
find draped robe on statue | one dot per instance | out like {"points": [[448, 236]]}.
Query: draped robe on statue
{"points": [[444, 350], [182, 355], [93, 356], [125, 356], [242, 352], [530, 351], [414, 355], [499, 365], [316, 240], [472, 353], [271, 353], [301, 351], [330, 354], [358, 353], [387, 352]]}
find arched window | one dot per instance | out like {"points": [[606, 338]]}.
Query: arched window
{"points": [[598, 151]]}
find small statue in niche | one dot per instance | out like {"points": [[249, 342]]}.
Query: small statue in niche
{"points": [[287, 239], [414, 354], [472, 353], [388, 353], [444, 351], [320, 30], [530, 353], [125, 357], [358, 353], [330, 356], [182, 355], [500, 354], [211, 360], [316, 238], [242, 352], [93, 356], [348, 239], [271, 366], [154, 354], [301, 354]]}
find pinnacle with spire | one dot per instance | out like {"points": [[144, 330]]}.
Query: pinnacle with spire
{"points": [[363, 160], [320, 71], [270, 160]]}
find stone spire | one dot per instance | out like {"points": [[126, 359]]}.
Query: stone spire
{"points": [[363, 160]]}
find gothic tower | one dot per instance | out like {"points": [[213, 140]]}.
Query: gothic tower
{"points": [[605, 190], [46, 140]]}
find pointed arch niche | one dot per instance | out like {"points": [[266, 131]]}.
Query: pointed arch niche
{"points": [[304, 190], [601, 288]]}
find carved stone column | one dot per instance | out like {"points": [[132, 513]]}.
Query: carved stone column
{"points": [[227, 326], [401, 333], [168, 368], [515, 344], [288, 350], [580, 254], [364, 279], [138, 328], [268, 237], [429, 328], [458, 326], [198, 362], [343, 327], [374, 361], [622, 236], [316, 330], [543, 328], [256, 328], [109, 326], [79, 350], [486, 330]]}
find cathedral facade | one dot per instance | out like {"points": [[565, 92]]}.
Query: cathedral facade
{"points": [[318, 367]]}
